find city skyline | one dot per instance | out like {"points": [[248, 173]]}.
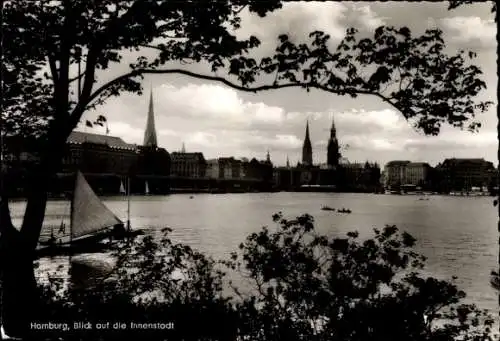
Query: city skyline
{"points": [[219, 121]]}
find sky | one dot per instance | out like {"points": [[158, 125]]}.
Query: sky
{"points": [[219, 121]]}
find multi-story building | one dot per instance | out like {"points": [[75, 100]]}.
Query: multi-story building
{"points": [[230, 168], [99, 154], [463, 174], [190, 165], [213, 169], [243, 168], [417, 173], [406, 173], [226, 167], [395, 173], [259, 170], [153, 161], [237, 169], [352, 173]]}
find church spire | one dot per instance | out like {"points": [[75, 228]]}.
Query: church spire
{"points": [[287, 162], [183, 150], [333, 153], [150, 133], [307, 148], [268, 157], [333, 130]]}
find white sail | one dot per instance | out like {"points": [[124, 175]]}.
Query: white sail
{"points": [[122, 188], [89, 214], [147, 188]]}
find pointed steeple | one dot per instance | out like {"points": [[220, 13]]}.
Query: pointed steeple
{"points": [[268, 157], [150, 133], [333, 153], [307, 148], [183, 150], [287, 162], [333, 130]]}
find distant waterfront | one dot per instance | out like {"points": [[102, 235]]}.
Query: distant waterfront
{"points": [[457, 234]]}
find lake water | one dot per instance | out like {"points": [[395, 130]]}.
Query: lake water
{"points": [[457, 234]]}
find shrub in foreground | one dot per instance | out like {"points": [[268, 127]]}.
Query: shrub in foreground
{"points": [[298, 286], [311, 287]]}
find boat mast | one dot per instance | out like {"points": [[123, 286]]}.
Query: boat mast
{"points": [[128, 203], [1, 203], [72, 208]]}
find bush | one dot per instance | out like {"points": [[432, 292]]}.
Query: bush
{"points": [[304, 287]]}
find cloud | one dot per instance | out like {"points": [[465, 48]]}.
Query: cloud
{"points": [[370, 143], [220, 105], [133, 134], [167, 132], [124, 130], [386, 130], [297, 20], [256, 142], [212, 118], [287, 142], [452, 141], [212, 106], [252, 141], [373, 121], [472, 30], [420, 145], [367, 17], [201, 138]]}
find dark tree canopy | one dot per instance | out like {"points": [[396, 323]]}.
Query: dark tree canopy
{"points": [[458, 3]]}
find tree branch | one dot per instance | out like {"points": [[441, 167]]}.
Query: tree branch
{"points": [[5, 219], [64, 58], [90, 66], [71, 80], [53, 69], [240, 9], [33, 219], [85, 96], [89, 73], [224, 81]]}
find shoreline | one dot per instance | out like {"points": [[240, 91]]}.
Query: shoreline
{"points": [[192, 192]]}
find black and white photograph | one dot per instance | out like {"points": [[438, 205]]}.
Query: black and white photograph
{"points": [[249, 170]]}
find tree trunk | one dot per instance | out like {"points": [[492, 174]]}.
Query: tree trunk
{"points": [[35, 212], [39, 184], [20, 297], [498, 189]]}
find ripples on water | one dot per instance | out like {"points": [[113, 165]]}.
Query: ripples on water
{"points": [[457, 235]]}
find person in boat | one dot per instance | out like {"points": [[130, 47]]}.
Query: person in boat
{"points": [[62, 228], [52, 240]]}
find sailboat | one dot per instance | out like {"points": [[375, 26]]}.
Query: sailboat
{"points": [[122, 188], [91, 222]]}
